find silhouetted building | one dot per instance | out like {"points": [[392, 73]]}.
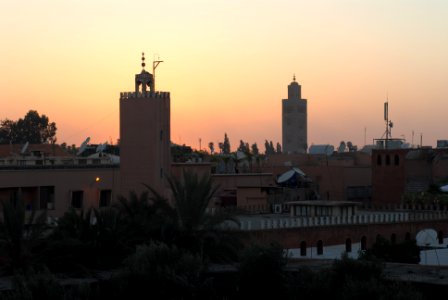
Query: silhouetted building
{"points": [[294, 120], [397, 173], [144, 136]]}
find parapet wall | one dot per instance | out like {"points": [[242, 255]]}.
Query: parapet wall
{"points": [[156, 95], [363, 219]]}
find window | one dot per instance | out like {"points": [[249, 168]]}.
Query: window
{"points": [[320, 247], [364, 243], [396, 160], [348, 245], [388, 160], [30, 197], [46, 197], [303, 248], [77, 198], [378, 160], [105, 198]]}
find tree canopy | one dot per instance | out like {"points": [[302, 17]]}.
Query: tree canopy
{"points": [[226, 145], [33, 128]]}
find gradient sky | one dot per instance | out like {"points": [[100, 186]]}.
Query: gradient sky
{"points": [[227, 64]]}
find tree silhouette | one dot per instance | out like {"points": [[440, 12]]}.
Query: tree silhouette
{"points": [[226, 145], [19, 234], [211, 146], [279, 148], [33, 128], [200, 232]]}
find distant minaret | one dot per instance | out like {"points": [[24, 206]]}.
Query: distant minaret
{"points": [[294, 120], [144, 136]]}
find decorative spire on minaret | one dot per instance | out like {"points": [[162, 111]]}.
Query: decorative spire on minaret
{"points": [[144, 79], [294, 89], [143, 60]]}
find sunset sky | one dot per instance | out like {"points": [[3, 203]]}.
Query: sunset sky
{"points": [[227, 64]]}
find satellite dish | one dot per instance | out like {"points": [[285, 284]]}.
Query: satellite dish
{"points": [[101, 147], [405, 146], [286, 176], [83, 146], [24, 148], [240, 155], [298, 171], [444, 188], [289, 174], [426, 237], [341, 147]]}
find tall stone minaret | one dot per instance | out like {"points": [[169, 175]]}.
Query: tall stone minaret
{"points": [[144, 136], [294, 120]]}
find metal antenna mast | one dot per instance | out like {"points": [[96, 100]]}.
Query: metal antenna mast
{"points": [[389, 123], [155, 63]]}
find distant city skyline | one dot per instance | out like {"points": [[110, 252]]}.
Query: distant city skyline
{"points": [[227, 65]]}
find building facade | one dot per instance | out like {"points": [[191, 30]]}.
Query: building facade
{"points": [[294, 120], [398, 174], [145, 157], [49, 179]]}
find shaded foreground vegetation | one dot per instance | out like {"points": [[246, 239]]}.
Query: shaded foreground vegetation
{"points": [[145, 248], [159, 271]]}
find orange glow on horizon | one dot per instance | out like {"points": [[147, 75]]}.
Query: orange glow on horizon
{"points": [[227, 65]]}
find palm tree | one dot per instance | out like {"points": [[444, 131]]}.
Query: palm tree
{"points": [[192, 196], [200, 231], [85, 239], [146, 218], [19, 234]]}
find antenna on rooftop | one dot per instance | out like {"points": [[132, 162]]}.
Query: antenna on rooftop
{"points": [[83, 146], [389, 123], [365, 134], [155, 63], [24, 148]]}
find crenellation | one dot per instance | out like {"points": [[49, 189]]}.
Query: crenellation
{"points": [[150, 95]]}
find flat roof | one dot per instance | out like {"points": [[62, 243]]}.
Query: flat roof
{"points": [[323, 203]]}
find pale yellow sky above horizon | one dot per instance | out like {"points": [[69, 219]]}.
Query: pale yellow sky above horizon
{"points": [[227, 65]]}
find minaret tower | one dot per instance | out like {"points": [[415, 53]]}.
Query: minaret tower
{"points": [[144, 136], [294, 120]]}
